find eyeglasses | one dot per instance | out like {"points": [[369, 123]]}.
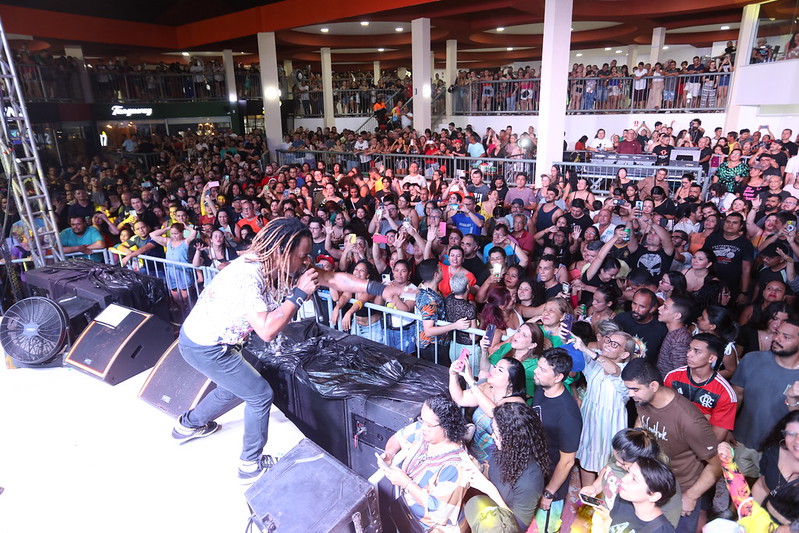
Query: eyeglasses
{"points": [[613, 344], [791, 434], [420, 420]]}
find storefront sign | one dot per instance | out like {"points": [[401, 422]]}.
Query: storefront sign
{"points": [[118, 110]]}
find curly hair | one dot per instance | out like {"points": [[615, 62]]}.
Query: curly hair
{"points": [[522, 440], [450, 416], [272, 248]]}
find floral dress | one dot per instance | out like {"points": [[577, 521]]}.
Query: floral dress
{"points": [[603, 413], [729, 176], [442, 478]]}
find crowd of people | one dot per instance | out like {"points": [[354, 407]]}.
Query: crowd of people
{"points": [[683, 303]]}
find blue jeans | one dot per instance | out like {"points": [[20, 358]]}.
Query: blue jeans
{"points": [[373, 332], [408, 344], [234, 378]]}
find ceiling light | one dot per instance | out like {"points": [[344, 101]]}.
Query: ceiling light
{"points": [[665, 47], [364, 23], [510, 49], [500, 29], [185, 54], [571, 29], [618, 51], [381, 49], [607, 49], [325, 30], [397, 29], [579, 55], [725, 27]]}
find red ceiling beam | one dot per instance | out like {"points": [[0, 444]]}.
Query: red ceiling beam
{"points": [[81, 28], [271, 17]]}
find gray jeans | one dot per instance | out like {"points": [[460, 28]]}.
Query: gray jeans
{"points": [[235, 379]]}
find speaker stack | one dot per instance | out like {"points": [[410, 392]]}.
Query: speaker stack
{"points": [[173, 385], [120, 343], [308, 490]]}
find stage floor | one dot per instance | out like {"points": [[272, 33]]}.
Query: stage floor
{"points": [[78, 455]]}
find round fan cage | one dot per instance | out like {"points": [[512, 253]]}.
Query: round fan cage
{"points": [[34, 330]]}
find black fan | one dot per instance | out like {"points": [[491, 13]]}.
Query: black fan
{"points": [[34, 331]]}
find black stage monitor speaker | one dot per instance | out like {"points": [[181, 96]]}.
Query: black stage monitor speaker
{"points": [[173, 385], [120, 343], [309, 491]]}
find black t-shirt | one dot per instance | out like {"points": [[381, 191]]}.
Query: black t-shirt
{"points": [[77, 210], [765, 275], [655, 262], [781, 160], [563, 425], [586, 296], [652, 333], [769, 469], [731, 255], [792, 148], [624, 520], [667, 208], [703, 154], [551, 292], [523, 495], [584, 221], [622, 253], [663, 154], [478, 268]]}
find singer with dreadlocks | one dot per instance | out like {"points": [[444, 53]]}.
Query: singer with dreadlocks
{"points": [[260, 291]]}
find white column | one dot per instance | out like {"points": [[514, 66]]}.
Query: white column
{"points": [[554, 81], [421, 69], [288, 68], [76, 51], [230, 75], [376, 72], [270, 90], [746, 38], [451, 73], [658, 41], [632, 56], [327, 89]]}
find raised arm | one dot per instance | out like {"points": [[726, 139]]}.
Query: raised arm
{"points": [[593, 267]]}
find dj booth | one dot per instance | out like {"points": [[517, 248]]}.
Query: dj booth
{"points": [[347, 394]]}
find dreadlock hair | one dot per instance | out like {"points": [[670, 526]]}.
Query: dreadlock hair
{"points": [[272, 248], [522, 440]]}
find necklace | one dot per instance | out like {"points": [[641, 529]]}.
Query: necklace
{"points": [[708, 380]]}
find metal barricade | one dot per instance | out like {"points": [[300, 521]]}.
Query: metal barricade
{"points": [[184, 281], [602, 175], [407, 338], [451, 166]]}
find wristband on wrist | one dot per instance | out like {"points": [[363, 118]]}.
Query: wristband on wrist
{"points": [[298, 297], [375, 288]]}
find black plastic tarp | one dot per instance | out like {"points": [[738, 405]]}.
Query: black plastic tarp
{"points": [[341, 366], [145, 291]]}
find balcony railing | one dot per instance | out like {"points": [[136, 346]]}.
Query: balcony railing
{"points": [[706, 92], [47, 84], [683, 92], [157, 87]]}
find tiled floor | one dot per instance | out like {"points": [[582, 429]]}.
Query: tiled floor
{"points": [[78, 455]]}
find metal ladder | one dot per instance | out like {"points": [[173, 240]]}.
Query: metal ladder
{"points": [[20, 160]]}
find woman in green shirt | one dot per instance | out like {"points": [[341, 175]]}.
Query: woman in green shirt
{"points": [[525, 346]]}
